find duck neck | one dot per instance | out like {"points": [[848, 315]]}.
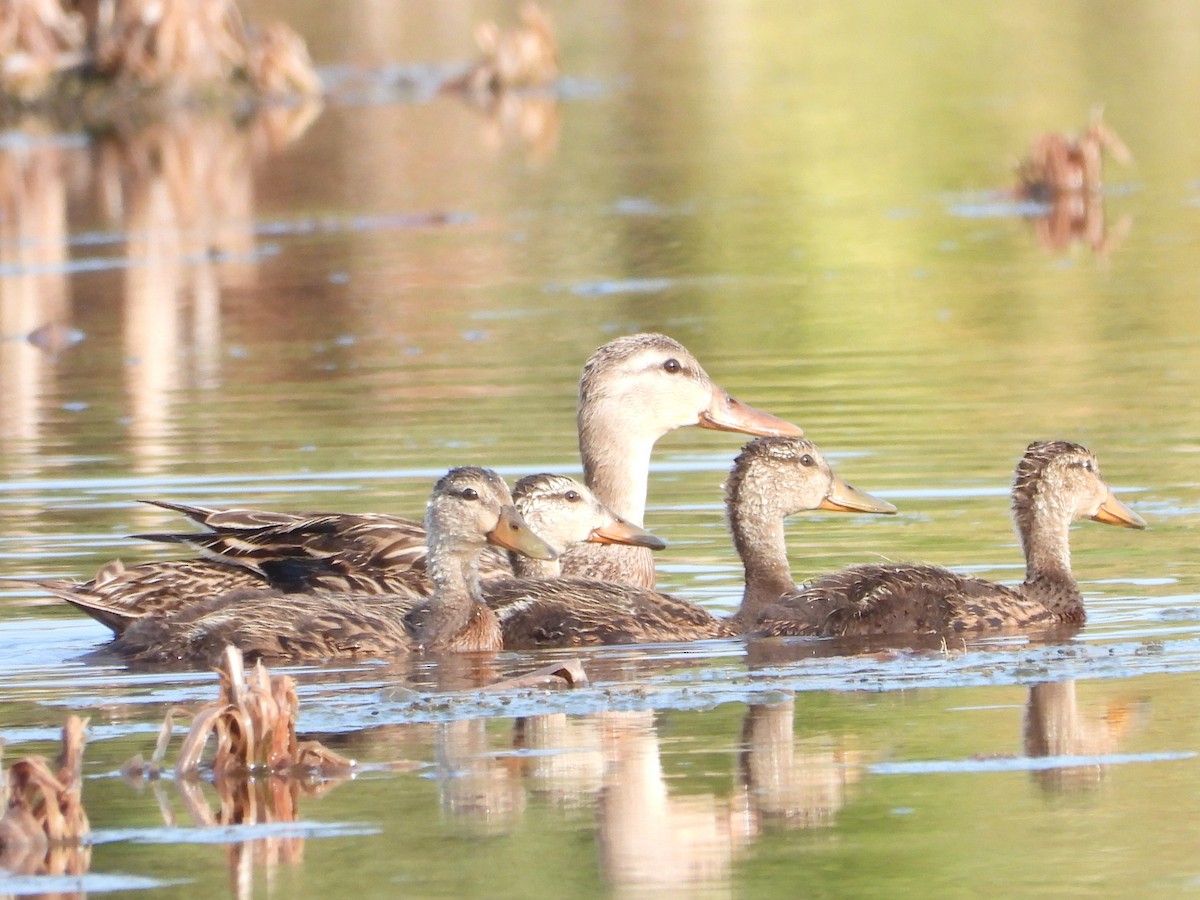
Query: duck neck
{"points": [[759, 538], [616, 463], [456, 600], [1045, 538], [616, 466]]}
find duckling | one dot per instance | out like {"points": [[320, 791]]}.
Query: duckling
{"points": [[558, 508], [772, 478], [634, 390], [470, 508], [1056, 483], [565, 514]]}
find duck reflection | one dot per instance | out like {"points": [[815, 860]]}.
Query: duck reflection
{"points": [[565, 761], [650, 840], [481, 793], [522, 119], [1056, 726], [788, 783], [511, 84]]}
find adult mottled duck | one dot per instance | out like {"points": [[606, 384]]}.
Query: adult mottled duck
{"points": [[469, 509], [633, 390], [559, 509]]}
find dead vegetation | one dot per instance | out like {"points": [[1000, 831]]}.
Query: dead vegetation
{"points": [[1059, 164], [51, 55], [1066, 174], [523, 56], [44, 822], [253, 724]]}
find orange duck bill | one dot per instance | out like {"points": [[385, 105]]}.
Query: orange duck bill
{"points": [[1113, 512], [726, 414], [621, 531], [845, 498], [512, 533]]}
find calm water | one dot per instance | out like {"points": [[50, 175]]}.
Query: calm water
{"points": [[328, 308]]}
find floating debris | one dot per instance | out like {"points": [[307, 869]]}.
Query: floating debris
{"points": [[44, 821], [1059, 164], [568, 674]]}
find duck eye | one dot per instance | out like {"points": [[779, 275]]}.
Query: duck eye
{"points": [[469, 494], [672, 366], [572, 496], [807, 460]]}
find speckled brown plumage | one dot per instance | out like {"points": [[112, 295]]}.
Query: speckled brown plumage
{"points": [[469, 508], [634, 390], [347, 552], [1056, 483], [575, 612], [773, 477], [559, 509]]}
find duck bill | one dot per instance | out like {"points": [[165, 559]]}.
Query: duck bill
{"points": [[512, 533], [726, 414], [845, 498], [1113, 512], [619, 531]]}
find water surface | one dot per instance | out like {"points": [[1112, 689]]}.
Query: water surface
{"points": [[327, 309]]}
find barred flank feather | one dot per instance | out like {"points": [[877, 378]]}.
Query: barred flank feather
{"points": [[1056, 483]]}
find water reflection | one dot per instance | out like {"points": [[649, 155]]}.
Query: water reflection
{"points": [[1056, 726], [788, 783], [526, 119], [34, 292], [478, 790], [1071, 219], [649, 837], [180, 193]]}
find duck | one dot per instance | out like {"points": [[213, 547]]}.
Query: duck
{"points": [[772, 478], [633, 390], [470, 508], [1056, 483], [558, 508]]}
